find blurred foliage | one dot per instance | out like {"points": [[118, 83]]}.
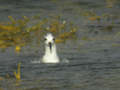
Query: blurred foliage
{"points": [[110, 3], [115, 45], [25, 31], [1, 78], [105, 21]]}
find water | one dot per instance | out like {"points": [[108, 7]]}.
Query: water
{"points": [[93, 64]]}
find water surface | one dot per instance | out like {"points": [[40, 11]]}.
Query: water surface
{"points": [[93, 64]]}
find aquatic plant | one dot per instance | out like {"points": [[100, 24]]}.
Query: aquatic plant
{"points": [[23, 32], [105, 22], [110, 3], [1, 78], [17, 73], [17, 49]]}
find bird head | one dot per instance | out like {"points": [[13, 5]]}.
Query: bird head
{"points": [[49, 40]]}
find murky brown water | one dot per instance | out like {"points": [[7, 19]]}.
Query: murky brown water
{"points": [[93, 64]]}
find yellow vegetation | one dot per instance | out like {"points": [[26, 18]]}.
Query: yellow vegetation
{"points": [[22, 32], [17, 73], [110, 3], [17, 49], [94, 18], [1, 78]]}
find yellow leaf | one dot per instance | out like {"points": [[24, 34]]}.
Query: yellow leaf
{"points": [[17, 48]]}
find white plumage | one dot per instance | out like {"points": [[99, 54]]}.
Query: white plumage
{"points": [[50, 55]]}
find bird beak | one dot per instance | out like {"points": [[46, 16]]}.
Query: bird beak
{"points": [[50, 45]]}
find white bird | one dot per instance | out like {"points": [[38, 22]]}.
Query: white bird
{"points": [[50, 55]]}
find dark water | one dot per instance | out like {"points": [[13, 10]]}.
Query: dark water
{"points": [[93, 64]]}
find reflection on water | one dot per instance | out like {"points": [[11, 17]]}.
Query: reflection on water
{"points": [[93, 62]]}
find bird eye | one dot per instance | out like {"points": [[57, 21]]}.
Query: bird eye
{"points": [[54, 39], [45, 39]]}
